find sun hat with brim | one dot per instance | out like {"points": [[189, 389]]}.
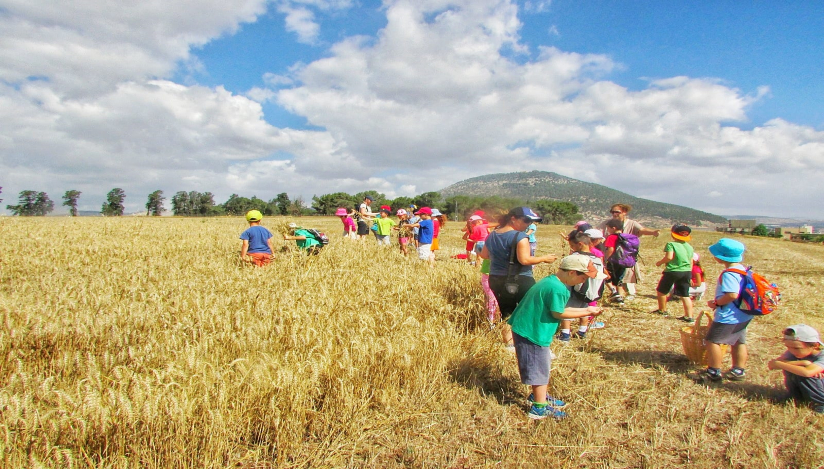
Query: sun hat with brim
{"points": [[436, 212], [802, 333], [401, 212], [728, 250], [424, 211], [525, 212], [475, 218], [594, 233], [341, 212], [681, 232], [582, 264]]}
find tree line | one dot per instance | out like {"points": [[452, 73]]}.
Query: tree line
{"points": [[202, 204]]}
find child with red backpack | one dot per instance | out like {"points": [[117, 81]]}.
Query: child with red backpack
{"points": [[733, 313]]}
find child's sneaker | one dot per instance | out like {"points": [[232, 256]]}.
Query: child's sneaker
{"points": [[686, 319], [660, 312], [550, 401], [580, 335], [542, 412], [617, 298], [596, 325], [564, 337], [736, 374], [706, 376]]}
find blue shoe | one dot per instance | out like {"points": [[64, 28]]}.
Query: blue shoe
{"points": [[564, 337], [540, 413], [580, 335], [551, 401]]}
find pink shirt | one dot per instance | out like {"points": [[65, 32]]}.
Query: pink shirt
{"points": [[437, 227], [349, 224], [479, 232]]}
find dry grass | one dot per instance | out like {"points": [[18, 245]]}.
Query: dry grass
{"points": [[145, 343]]}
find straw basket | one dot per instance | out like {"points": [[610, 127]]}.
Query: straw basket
{"points": [[692, 338]]}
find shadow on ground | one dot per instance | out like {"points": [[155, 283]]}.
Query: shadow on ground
{"points": [[488, 380], [670, 361]]}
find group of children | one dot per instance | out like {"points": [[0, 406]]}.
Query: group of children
{"points": [[548, 307]]}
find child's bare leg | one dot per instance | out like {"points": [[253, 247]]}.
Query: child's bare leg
{"points": [[539, 393], [739, 356], [686, 301], [662, 301], [714, 355]]}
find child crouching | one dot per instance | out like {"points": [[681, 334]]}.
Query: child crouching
{"points": [[803, 366]]}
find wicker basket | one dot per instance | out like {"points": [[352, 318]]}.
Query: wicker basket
{"points": [[692, 338]]}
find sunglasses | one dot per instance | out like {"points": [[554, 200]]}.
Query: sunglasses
{"points": [[615, 211]]}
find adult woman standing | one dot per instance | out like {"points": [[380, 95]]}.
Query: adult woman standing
{"points": [[619, 212], [498, 249]]}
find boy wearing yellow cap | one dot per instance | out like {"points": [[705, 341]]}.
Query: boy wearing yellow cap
{"points": [[257, 241], [678, 271]]}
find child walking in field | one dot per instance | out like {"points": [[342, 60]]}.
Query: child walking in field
{"points": [[677, 273], [257, 241], [426, 232], [350, 229], [438, 221], [534, 323], [803, 366], [729, 324]]}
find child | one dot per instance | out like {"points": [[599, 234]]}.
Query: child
{"points": [[530, 232], [404, 233], [478, 233], [492, 311], [597, 248], [384, 224], [350, 229], [697, 285], [257, 241], [414, 218], [304, 239], [534, 323], [587, 293], [678, 272], [426, 232], [803, 365], [616, 272], [729, 324], [438, 220]]}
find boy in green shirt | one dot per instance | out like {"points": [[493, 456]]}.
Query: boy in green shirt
{"points": [[534, 323], [678, 272]]}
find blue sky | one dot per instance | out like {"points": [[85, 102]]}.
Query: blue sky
{"points": [[665, 100]]}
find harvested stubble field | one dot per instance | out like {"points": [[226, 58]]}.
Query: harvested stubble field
{"points": [[137, 342]]}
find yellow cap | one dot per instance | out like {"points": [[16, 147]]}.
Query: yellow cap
{"points": [[253, 215]]}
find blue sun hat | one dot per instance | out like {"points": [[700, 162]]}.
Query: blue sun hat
{"points": [[728, 250]]}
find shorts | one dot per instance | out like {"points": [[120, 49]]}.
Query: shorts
{"points": [[616, 273], [534, 361], [403, 241], [730, 334], [533, 246], [383, 240], [678, 282], [470, 245], [506, 301], [479, 246], [363, 228], [424, 252], [259, 259], [435, 244]]}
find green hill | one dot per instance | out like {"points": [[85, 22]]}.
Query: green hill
{"points": [[593, 200]]}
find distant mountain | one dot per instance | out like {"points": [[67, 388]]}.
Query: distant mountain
{"points": [[593, 200], [778, 221]]}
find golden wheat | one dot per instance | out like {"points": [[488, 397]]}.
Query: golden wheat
{"points": [[139, 342]]}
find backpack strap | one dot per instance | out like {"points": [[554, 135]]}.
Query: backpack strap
{"points": [[512, 253], [735, 271]]}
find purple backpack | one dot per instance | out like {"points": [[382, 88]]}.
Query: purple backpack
{"points": [[626, 250]]}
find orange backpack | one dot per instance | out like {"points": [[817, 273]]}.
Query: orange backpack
{"points": [[758, 296]]}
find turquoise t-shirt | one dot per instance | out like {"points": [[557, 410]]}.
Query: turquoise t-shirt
{"points": [[682, 262], [305, 243], [533, 319], [534, 228]]}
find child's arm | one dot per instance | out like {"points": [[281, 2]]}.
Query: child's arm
{"points": [[726, 299], [574, 313], [271, 247], [245, 248], [293, 238], [804, 368], [668, 256], [699, 279], [412, 225]]}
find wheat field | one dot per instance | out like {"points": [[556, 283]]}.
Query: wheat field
{"points": [[145, 342]]}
